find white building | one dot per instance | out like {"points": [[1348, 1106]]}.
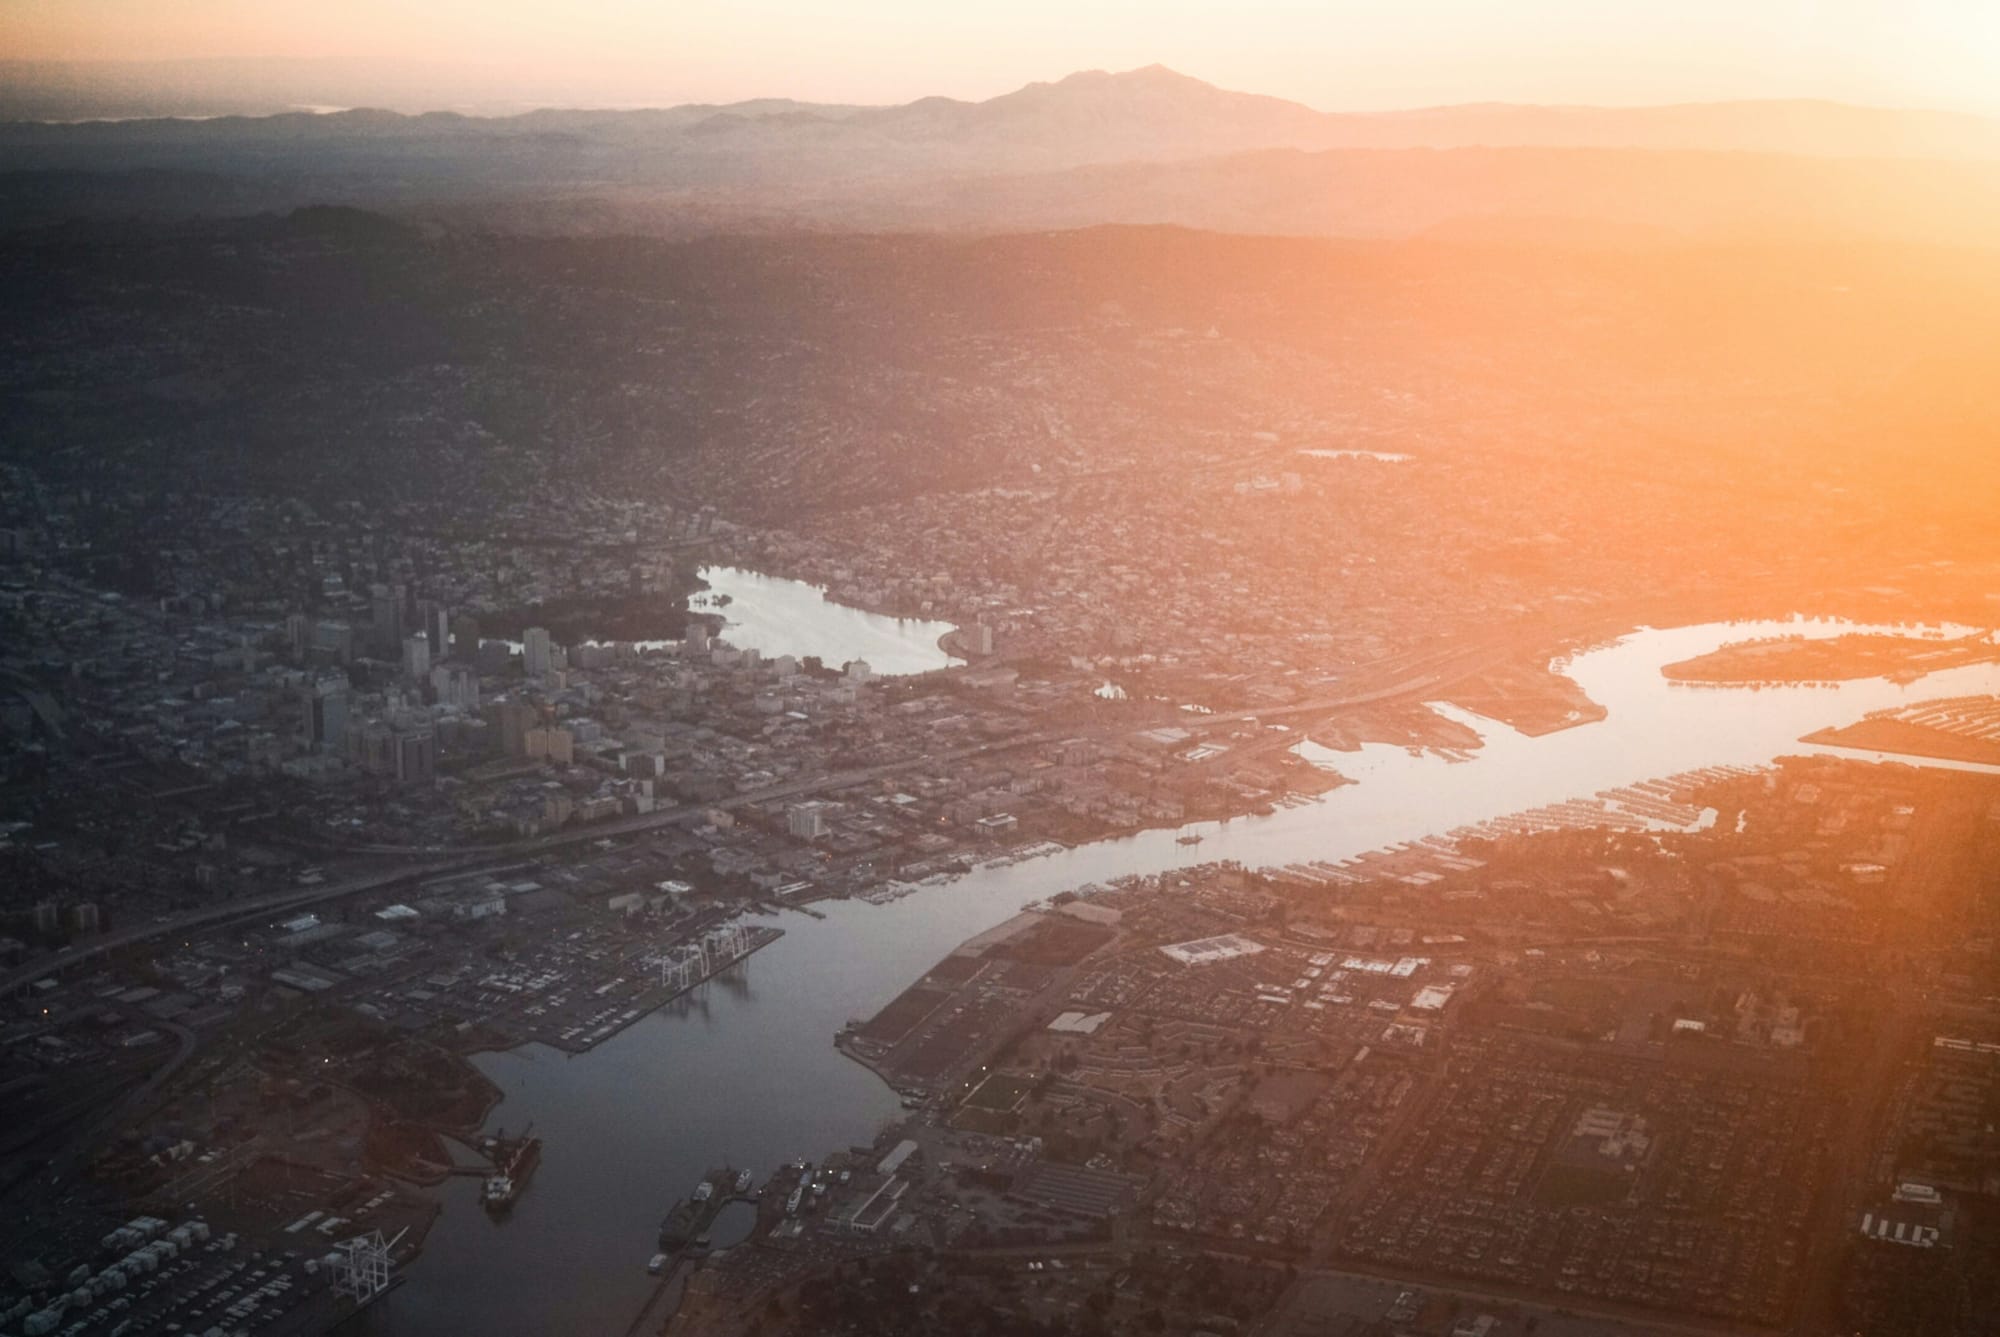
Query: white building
{"points": [[806, 821]]}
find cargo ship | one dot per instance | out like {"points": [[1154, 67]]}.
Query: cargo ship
{"points": [[514, 1160]]}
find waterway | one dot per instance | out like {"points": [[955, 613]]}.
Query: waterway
{"points": [[777, 616], [789, 617], [744, 1072]]}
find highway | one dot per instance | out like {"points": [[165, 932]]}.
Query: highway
{"points": [[1416, 676], [1408, 677], [249, 907], [1630, 1318], [1849, 1177]]}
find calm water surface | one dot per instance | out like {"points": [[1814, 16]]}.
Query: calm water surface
{"points": [[778, 616], [746, 1072], [790, 617]]}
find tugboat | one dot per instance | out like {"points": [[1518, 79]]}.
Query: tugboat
{"points": [[656, 1265], [742, 1182], [514, 1160]]}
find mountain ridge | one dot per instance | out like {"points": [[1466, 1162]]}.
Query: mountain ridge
{"points": [[1814, 125], [1146, 145]]}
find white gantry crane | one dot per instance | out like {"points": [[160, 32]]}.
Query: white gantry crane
{"points": [[361, 1266], [689, 966], [680, 972], [725, 947]]}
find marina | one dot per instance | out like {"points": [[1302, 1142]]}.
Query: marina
{"points": [[687, 1225]]}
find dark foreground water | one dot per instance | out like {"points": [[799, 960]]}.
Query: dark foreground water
{"points": [[744, 1072]]}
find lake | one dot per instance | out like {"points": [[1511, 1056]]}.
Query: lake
{"points": [[789, 617]]}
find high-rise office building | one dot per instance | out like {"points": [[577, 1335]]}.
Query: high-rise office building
{"points": [[323, 714], [405, 753], [516, 719], [552, 744], [387, 606], [455, 685], [415, 756], [331, 723], [806, 821], [416, 657], [298, 636], [537, 652], [335, 640], [434, 621]]}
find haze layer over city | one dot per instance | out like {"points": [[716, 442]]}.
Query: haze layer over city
{"points": [[868, 670]]}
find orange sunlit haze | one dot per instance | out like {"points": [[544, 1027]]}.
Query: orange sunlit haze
{"points": [[1343, 55], [790, 669]]}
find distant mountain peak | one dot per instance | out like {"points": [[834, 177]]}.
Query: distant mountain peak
{"points": [[1150, 80], [1152, 74]]}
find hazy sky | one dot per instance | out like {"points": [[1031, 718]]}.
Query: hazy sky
{"points": [[1332, 54]]}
